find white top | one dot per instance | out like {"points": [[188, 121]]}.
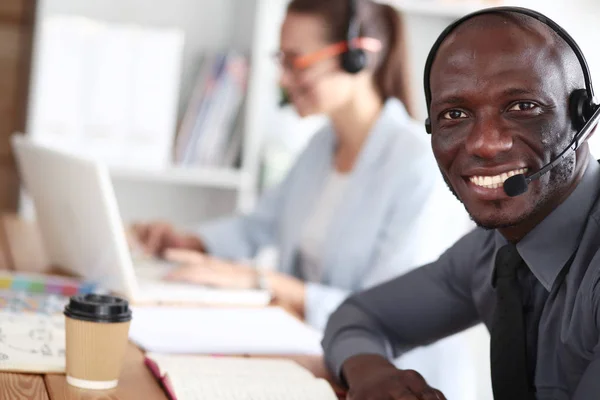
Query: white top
{"points": [[311, 247]]}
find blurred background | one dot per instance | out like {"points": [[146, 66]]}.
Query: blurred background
{"points": [[180, 98]]}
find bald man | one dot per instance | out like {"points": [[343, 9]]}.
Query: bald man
{"points": [[500, 87]]}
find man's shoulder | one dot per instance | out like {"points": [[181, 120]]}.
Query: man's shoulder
{"points": [[586, 261], [594, 216], [594, 213]]}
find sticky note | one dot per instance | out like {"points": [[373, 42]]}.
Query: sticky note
{"points": [[54, 288], [5, 282], [69, 290], [20, 283], [37, 287]]}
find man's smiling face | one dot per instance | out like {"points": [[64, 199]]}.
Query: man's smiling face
{"points": [[500, 91]]}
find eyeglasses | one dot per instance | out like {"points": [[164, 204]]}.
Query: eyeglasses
{"points": [[296, 63]]}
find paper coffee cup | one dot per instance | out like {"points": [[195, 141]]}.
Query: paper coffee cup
{"points": [[97, 333]]}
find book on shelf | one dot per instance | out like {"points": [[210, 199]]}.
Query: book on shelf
{"points": [[211, 129]]}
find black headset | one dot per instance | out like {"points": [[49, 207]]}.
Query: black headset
{"points": [[581, 101], [354, 59]]}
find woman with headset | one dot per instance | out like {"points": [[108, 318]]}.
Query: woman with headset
{"points": [[351, 212]]}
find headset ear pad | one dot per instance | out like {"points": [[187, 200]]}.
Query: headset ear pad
{"points": [[580, 108], [354, 60]]}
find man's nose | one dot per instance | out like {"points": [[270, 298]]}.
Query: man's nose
{"points": [[489, 137]]}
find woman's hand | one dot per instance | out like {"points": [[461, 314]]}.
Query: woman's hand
{"points": [[156, 237], [202, 269]]}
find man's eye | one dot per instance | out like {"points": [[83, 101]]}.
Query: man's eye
{"points": [[454, 114], [523, 106]]}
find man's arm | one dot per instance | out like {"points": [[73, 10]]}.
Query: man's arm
{"points": [[418, 308], [589, 385]]}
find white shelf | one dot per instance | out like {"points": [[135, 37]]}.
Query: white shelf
{"points": [[440, 8], [224, 178]]}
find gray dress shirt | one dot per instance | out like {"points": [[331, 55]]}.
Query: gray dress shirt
{"points": [[561, 299]]}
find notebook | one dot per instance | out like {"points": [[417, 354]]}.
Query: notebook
{"points": [[236, 378]]}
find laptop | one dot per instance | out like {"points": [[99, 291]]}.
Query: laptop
{"points": [[83, 233]]}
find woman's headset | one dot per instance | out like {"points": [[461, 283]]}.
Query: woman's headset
{"points": [[582, 103], [354, 59]]}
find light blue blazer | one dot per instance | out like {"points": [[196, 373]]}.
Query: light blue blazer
{"points": [[376, 233]]}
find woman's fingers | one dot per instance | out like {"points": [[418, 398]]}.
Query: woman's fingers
{"points": [[183, 256], [195, 267], [202, 276], [193, 274]]}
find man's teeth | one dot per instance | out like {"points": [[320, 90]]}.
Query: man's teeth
{"points": [[495, 181]]}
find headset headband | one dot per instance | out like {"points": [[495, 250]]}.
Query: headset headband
{"points": [[353, 26], [519, 10]]}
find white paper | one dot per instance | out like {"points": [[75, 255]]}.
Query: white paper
{"points": [[242, 368], [263, 389], [182, 330], [32, 342]]}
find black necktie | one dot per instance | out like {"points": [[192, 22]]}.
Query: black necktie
{"points": [[508, 346]]}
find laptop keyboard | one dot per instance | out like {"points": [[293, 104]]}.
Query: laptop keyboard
{"points": [[151, 271]]}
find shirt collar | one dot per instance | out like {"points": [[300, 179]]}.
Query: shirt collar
{"points": [[548, 247]]}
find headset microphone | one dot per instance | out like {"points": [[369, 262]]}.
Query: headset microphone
{"points": [[517, 184], [284, 97]]}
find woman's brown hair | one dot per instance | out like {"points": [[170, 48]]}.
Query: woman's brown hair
{"points": [[376, 20]]}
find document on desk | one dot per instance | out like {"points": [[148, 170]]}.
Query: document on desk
{"points": [[187, 330], [32, 342], [231, 378]]}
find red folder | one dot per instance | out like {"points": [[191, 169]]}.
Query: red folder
{"points": [[163, 380]]}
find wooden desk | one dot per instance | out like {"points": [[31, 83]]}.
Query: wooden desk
{"points": [[21, 246]]}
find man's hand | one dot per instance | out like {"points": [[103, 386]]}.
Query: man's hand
{"points": [[372, 377], [156, 237]]}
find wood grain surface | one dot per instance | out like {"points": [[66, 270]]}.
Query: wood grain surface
{"points": [[22, 387], [136, 382]]}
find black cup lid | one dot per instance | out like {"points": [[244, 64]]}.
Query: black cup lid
{"points": [[98, 308]]}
